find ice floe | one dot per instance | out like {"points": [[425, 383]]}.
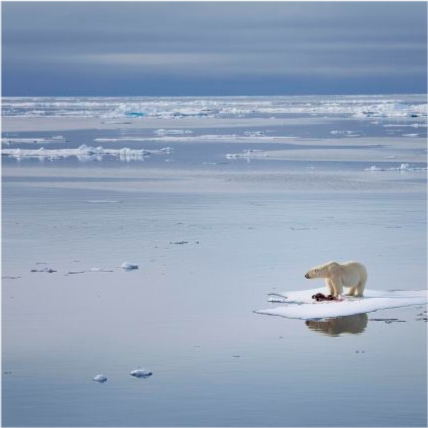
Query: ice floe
{"points": [[129, 266], [44, 270], [100, 378], [91, 270], [345, 133], [402, 167], [248, 136], [141, 373], [247, 154], [173, 132], [300, 305], [84, 152]]}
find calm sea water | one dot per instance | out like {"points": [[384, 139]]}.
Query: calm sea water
{"points": [[187, 313]]}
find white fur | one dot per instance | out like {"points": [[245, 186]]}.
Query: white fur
{"points": [[351, 275]]}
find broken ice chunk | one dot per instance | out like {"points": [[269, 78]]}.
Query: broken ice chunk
{"points": [[140, 373], [129, 266]]}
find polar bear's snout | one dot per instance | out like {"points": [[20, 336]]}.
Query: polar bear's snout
{"points": [[307, 275]]}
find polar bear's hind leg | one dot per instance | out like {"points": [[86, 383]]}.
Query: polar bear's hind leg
{"points": [[358, 290], [352, 291]]}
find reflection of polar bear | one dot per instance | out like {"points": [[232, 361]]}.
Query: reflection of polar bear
{"points": [[353, 324], [337, 276]]}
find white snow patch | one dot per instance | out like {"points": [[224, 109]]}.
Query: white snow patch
{"points": [[300, 305]]}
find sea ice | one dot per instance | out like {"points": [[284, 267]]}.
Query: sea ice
{"points": [[100, 378], [94, 269], [129, 266], [300, 305], [247, 154], [402, 167], [84, 152], [140, 373], [172, 131], [345, 133], [44, 270]]}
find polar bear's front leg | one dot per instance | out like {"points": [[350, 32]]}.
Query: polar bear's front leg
{"points": [[330, 287], [335, 288]]}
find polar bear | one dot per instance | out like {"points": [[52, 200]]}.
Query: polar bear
{"points": [[339, 275]]}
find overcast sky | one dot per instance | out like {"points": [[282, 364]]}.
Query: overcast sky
{"points": [[216, 48]]}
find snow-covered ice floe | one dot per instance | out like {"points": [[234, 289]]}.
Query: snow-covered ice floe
{"points": [[84, 152], [402, 167], [300, 305]]}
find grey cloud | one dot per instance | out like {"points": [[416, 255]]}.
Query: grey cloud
{"points": [[118, 43]]}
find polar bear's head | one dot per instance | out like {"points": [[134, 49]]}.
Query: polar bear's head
{"points": [[322, 271]]}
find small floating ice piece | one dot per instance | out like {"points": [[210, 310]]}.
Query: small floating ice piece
{"points": [[173, 131], [140, 373], [129, 266], [96, 269], [100, 378], [45, 270]]}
